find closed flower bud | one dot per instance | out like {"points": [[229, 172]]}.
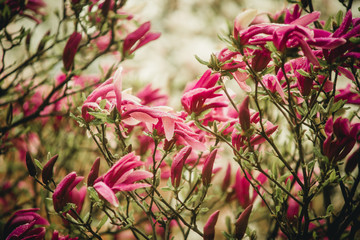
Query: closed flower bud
{"points": [[94, 172], [178, 164], [244, 114], [208, 167], [242, 222], [261, 59], [30, 165], [70, 50], [209, 228], [226, 183], [47, 173]]}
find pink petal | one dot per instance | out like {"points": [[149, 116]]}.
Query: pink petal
{"points": [[106, 193]]}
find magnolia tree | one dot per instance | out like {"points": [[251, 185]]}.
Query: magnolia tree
{"points": [[279, 160]]}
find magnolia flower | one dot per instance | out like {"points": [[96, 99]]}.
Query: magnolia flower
{"points": [[349, 28], [272, 84], [341, 138], [347, 95], [242, 188], [200, 99], [209, 228], [177, 165], [121, 177], [70, 50], [152, 97], [228, 60], [22, 225], [66, 192], [57, 236], [139, 38], [243, 20]]}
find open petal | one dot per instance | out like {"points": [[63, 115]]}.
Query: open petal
{"points": [[106, 193]]}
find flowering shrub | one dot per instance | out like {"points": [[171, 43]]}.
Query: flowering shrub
{"points": [[278, 159]]}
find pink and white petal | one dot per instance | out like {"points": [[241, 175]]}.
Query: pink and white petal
{"points": [[118, 87], [346, 73], [130, 187], [106, 193], [169, 126]]}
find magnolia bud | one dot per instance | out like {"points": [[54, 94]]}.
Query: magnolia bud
{"points": [[208, 167], [242, 222], [244, 114], [47, 173], [30, 165], [94, 172], [178, 164], [70, 50], [209, 228], [226, 183]]}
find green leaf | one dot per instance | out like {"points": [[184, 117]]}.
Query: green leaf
{"points": [[329, 209], [201, 61], [101, 223], [38, 164], [93, 194], [102, 104], [304, 73]]}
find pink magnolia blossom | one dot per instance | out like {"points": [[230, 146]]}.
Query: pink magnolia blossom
{"points": [[201, 99], [273, 85], [240, 140], [22, 225], [70, 50], [57, 236], [121, 177], [178, 164], [349, 28], [347, 95], [209, 228], [66, 192], [139, 38], [341, 138], [230, 60], [152, 97], [242, 188]]}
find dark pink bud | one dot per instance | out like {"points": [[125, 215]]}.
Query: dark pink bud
{"points": [[226, 183], [209, 228], [47, 173], [70, 50], [30, 165], [244, 114], [208, 167], [242, 222], [178, 164], [261, 59], [353, 161], [94, 172]]}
